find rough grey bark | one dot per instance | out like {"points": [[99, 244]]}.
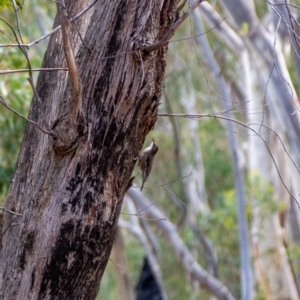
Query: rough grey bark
{"points": [[69, 189]]}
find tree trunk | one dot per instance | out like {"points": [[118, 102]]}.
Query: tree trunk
{"points": [[276, 97], [247, 286], [193, 269], [70, 192]]}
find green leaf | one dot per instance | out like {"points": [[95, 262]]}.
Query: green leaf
{"points": [[4, 3], [20, 3]]}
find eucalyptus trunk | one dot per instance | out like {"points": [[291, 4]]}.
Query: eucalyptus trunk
{"points": [[69, 187]]}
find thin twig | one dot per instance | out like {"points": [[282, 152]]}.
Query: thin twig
{"points": [[198, 35], [10, 211], [139, 215], [29, 121], [4, 72], [69, 55], [8, 226], [167, 36], [198, 116], [75, 104], [164, 184], [142, 217], [81, 37], [8, 36], [283, 146], [181, 6], [52, 31], [17, 20], [24, 51], [116, 264], [170, 192]]}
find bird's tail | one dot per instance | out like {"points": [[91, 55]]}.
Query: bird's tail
{"points": [[142, 185]]}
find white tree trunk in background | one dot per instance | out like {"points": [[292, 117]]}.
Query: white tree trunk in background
{"points": [[273, 270], [195, 186], [224, 95]]}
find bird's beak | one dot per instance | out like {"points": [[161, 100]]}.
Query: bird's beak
{"points": [[153, 140]]}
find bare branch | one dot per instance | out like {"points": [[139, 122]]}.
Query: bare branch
{"points": [[4, 72], [174, 196], [29, 121], [24, 51], [136, 230], [5, 230], [166, 183], [76, 97], [17, 20], [10, 211], [52, 31], [199, 116], [116, 264], [200, 34], [66, 29], [167, 36], [212, 284]]}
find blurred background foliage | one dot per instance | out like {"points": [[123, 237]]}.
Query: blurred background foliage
{"points": [[185, 69], [35, 19]]}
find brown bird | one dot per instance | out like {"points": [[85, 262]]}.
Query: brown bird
{"points": [[146, 160]]}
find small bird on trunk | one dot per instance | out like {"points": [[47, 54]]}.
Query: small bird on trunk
{"points": [[146, 160]]}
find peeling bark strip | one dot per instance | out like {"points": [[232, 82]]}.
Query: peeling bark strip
{"points": [[70, 203], [69, 127]]}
